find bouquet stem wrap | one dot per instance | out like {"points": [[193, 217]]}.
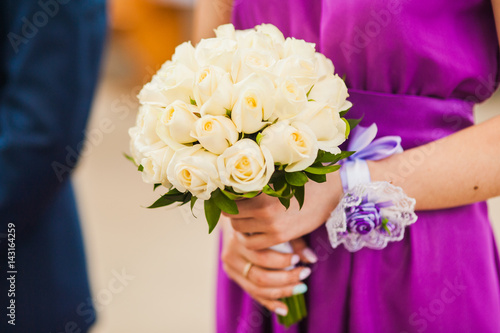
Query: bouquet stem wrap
{"points": [[296, 304]]}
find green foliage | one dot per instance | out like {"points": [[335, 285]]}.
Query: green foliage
{"points": [[296, 178], [225, 203], [212, 214], [130, 158]]}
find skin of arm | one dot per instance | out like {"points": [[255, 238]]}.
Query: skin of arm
{"points": [[208, 15]]}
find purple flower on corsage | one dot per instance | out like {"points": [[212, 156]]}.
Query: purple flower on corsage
{"points": [[366, 217]]}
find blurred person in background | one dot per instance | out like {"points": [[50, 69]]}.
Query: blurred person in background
{"points": [[415, 68], [50, 54]]}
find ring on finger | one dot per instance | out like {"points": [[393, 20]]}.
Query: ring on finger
{"points": [[246, 269]]}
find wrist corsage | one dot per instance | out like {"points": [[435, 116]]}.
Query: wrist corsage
{"points": [[369, 213]]}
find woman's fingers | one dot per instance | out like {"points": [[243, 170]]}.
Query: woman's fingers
{"points": [[270, 258], [268, 293], [300, 248], [258, 241]]}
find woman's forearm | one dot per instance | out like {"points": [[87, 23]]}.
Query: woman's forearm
{"points": [[209, 14], [460, 169]]}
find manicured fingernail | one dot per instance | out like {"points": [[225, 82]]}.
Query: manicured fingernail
{"points": [[299, 289], [310, 256], [295, 259], [281, 311], [304, 273]]}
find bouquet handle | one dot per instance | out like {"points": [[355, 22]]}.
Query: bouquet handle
{"points": [[296, 304]]}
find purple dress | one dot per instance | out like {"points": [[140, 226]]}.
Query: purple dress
{"points": [[415, 68]]}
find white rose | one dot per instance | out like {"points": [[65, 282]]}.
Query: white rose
{"points": [[139, 146], [290, 99], [213, 91], [225, 31], [254, 104], [194, 169], [245, 166], [303, 70], [247, 61], [176, 123], [271, 31], [170, 83], [215, 133], [143, 135], [331, 90], [184, 54], [155, 164], [325, 122], [215, 51], [324, 65], [299, 47], [293, 145]]}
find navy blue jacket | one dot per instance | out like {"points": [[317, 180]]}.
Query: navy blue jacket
{"points": [[49, 59]]}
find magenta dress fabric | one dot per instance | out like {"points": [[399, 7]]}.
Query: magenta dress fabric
{"points": [[415, 68]]}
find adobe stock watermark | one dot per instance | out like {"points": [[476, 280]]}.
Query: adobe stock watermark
{"points": [[436, 307], [364, 36], [32, 25]]}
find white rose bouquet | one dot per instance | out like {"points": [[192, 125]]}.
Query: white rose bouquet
{"points": [[244, 113]]}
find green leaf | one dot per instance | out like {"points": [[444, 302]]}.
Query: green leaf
{"points": [[296, 178], [192, 101], [316, 178], [299, 193], [224, 203], [326, 157], [269, 191], [140, 168], [343, 113], [385, 220], [155, 186], [163, 201], [187, 198], [258, 139], [193, 201], [234, 196], [130, 158], [285, 202], [307, 94], [354, 122], [212, 214], [347, 128], [323, 170]]}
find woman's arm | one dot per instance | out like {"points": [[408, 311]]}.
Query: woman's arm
{"points": [[457, 170], [208, 15]]}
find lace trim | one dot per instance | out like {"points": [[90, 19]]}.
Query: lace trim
{"points": [[371, 215]]}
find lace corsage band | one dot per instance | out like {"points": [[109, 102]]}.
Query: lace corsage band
{"points": [[369, 213]]}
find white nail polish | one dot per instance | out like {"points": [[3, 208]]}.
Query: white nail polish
{"points": [[304, 273], [310, 256], [281, 311], [295, 259]]}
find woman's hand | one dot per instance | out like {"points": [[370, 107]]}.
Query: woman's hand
{"points": [[263, 221], [266, 278]]}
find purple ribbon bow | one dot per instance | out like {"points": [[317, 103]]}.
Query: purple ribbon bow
{"points": [[355, 170]]}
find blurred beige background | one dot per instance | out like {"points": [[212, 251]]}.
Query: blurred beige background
{"points": [[169, 257]]}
